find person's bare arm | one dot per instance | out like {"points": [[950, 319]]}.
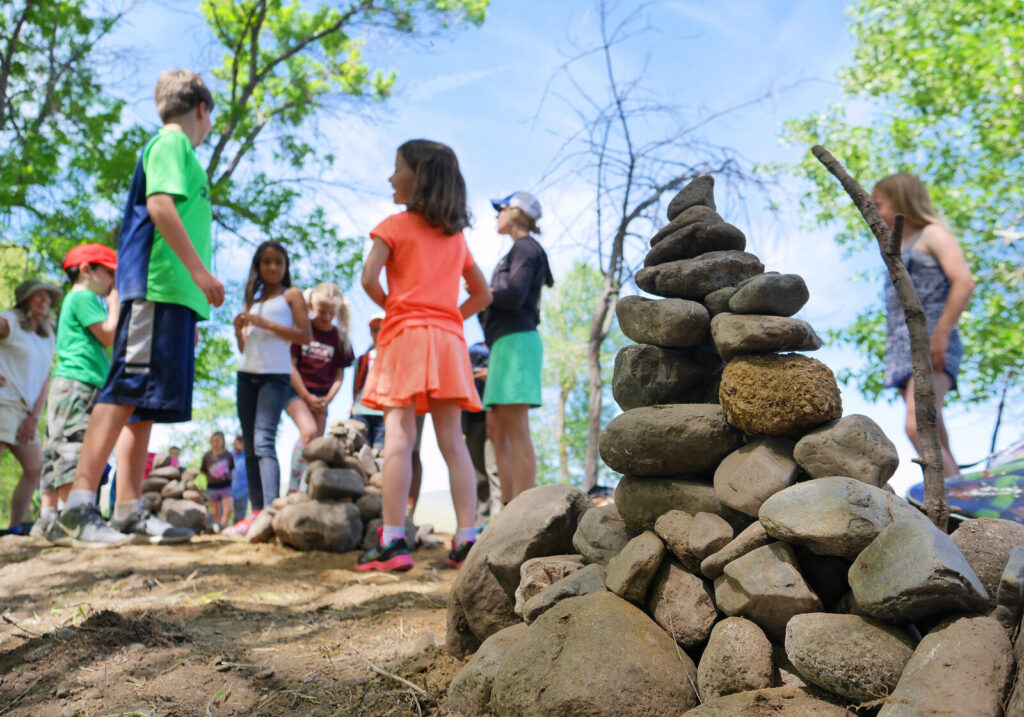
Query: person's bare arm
{"points": [[105, 330], [940, 243], [167, 221], [371, 272], [298, 334], [298, 386], [5, 328], [479, 293], [30, 425], [239, 324]]}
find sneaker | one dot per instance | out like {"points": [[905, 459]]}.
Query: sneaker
{"points": [[457, 555], [393, 557], [83, 527], [40, 527], [144, 527], [242, 526]]}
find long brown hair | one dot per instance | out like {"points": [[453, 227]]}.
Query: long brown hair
{"points": [[254, 286], [439, 193], [910, 197]]}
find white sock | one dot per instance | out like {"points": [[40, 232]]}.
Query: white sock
{"points": [[48, 513], [61, 505], [465, 535], [123, 511], [391, 532], [80, 497]]}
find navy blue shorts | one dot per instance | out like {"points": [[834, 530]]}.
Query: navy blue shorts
{"points": [[154, 361]]}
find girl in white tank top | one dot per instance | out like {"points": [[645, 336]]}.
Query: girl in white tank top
{"points": [[274, 318]]}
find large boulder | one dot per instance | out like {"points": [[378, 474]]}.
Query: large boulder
{"points": [[853, 446], [641, 501], [835, 515], [987, 544], [314, 525], [770, 293], [766, 586], [538, 522], [335, 484], [681, 603], [738, 657], [777, 395], [645, 375], [183, 514], [673, 323], [694, 240], [469, 693], [630, 573], [913, 570], [1010, 593], [668, 440], [594, 655], [601, 534], [747, 477], [697, 277], [852, 656], [739, 334], [962, 667], [773, 702]]}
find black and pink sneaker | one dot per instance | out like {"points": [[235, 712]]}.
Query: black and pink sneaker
{"points": [[457, 555], [392, 558]]}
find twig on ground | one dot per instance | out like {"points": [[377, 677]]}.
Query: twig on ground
{"points": [[18, 699], [10, 621], [381, 671]]}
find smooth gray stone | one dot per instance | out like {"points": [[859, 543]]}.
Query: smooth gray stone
{"points": [[913, 571], [738, 334], [694, 240], [835, 515], [709, 533], [668, 440], [852, 656], [750, 538], [183, 514], [717, 302], [538, 574], [771, 293], [748, 476], [335, 484], [674, 529], [987, 543], [641, 500], [962, 667], [673, 323], [738, 658], [629, 573], [646, 375], [696, 213], [315, 525], [601, 534], [696, 278], [586, 580], [1010, 593], [470, 690], [681, 604], [766, 586], [854, 446], [699, 192], [596, 655]]}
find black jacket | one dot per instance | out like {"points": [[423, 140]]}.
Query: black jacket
{"points": [[515, 286]]}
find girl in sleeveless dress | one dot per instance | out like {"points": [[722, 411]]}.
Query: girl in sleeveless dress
{"points": [[422, 362], [275, 317], [944, 284]]}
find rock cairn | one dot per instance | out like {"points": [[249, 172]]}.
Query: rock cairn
{"points": [[341, 508], [170, 492], [754, 561]]}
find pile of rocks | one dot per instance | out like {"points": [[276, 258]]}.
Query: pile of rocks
{"points": [[170, 492], [341, 508], [753, 561]]}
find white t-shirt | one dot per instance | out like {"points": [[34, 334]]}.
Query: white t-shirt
{"points": [[25, 361], [265, 351]]}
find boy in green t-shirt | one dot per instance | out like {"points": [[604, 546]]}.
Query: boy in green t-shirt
{"points": [[85, 327], [165, 286]]}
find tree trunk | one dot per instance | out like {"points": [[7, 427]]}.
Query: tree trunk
{"points": [[935, 506], [563, 445], [595, 384]]}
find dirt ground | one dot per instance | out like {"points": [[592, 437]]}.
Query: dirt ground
{"points": [[219, 627]]}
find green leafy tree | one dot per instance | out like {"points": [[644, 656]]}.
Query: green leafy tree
{"points": [[945, 84]]}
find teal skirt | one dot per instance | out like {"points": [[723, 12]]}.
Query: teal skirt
{"points": [[513, 371]]}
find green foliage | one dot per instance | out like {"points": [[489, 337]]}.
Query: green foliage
{"points": [[945, 83], [561, 433]]}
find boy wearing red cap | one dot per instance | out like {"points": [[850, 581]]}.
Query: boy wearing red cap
{"points": [[85, 327]]}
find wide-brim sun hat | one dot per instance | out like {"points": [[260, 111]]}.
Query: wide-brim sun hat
{"points": [[92, 254], [523, 201], [28, 288]]}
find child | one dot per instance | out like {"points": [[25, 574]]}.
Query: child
{"points": [[371, 417], [85, 327], [239, 484], [165, 286], [422, 363], [218, 465], [274, 318], [317, 370]]}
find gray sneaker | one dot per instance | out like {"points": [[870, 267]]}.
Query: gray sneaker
{"points": [[83, 527], [144, 527], [40, 527]]}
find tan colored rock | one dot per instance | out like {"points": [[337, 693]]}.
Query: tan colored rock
{"points": [[630, 572], [751, 538], [738, 657]]}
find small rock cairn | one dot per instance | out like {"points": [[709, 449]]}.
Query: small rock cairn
{"points": [[170, 492], [341, 507], [754, 561]]}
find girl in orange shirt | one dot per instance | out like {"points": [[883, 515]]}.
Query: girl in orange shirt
{"points": [[422, 362]]}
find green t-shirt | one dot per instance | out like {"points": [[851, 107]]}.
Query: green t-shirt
{"points": [[80, 355], [172, 168]]}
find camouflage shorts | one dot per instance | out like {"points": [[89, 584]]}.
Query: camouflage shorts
{"points": [[68, 406]]}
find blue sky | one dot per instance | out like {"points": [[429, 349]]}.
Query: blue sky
{"points": [[489, 93]]}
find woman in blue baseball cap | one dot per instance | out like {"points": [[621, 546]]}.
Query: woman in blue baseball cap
{"points": [[510, 330]]}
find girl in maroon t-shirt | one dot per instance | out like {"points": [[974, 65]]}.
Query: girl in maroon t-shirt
{"points": [[317, 370]]}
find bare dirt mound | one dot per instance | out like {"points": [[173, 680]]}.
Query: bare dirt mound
{"points": [[219, 627]]}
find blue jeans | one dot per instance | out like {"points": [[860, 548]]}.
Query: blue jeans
{"points": [[261, 398], [375, 424]]}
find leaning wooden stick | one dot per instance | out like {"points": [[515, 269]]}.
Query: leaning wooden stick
{"points": [[889, 243]]}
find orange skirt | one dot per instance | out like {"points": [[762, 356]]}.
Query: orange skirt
{"points": [[421, 362]]}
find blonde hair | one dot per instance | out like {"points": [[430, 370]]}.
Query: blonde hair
{"points": [[180, 91], [332, 295], [910, 197], [524, 220]]}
